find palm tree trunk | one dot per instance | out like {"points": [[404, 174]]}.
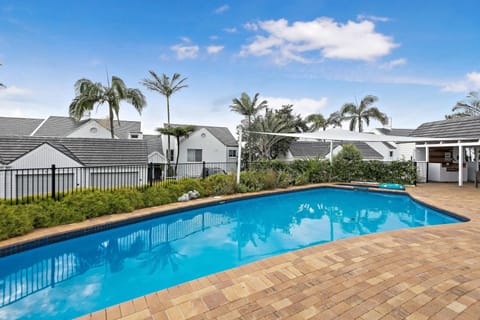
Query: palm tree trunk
{"points": [[249, 144], [168, 138], [178, 154], [111, 121]]}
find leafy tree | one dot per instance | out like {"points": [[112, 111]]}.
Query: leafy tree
{"points": [[357, 114], [178, 133], [466, 108], [278, 121], [349, 152], [166, 87], [335, 119], [89, 94], [248, 107]]}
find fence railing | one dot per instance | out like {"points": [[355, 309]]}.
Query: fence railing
{"points": [[40, 183]]}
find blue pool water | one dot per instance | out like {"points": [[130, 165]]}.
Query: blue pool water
{"points": [[74, 277]]}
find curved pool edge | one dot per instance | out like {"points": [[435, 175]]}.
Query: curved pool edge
{"points": [[424, 272], [45, 236]]}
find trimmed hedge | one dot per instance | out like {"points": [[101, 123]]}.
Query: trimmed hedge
{"points": [[20, 219]]}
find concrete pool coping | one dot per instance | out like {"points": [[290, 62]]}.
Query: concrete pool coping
{"points": [[422, 273]]}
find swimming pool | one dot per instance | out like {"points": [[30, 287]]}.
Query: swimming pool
{"points": [[84, 274]]}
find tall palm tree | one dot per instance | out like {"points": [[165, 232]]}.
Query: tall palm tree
{"points": [[166, 87], [357, 114], [248, 107], [470, 107], [177, 132], [89, 94]]}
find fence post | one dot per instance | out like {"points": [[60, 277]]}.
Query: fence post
{"points": [[150, 176], [416, 171], [53, 182], [203, 170]]}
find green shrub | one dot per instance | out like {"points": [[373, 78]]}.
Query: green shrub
{"points": [[14, 221], [219, 184], [190, 184], [251, 181]]}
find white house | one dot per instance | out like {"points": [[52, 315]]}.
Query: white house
{"points": [[395, 151], [26, 164], [213, 145]]}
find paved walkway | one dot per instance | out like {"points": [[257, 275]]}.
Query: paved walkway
{"points": [[422, 273]]}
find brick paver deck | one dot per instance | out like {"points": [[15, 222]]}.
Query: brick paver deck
{"points": [[422, 273]]}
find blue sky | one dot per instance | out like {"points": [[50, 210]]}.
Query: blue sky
{"points": [[418, 57]]}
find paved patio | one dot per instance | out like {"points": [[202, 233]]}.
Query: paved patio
{"points": [[422, 273]]}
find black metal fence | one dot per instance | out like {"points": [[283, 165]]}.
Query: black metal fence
{"points": [[25, 185]]}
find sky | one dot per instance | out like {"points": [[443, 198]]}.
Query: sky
{"points": [[418, 57]]}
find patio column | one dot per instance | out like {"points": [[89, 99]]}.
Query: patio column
{"points": [[239, 155], [460, 165]]}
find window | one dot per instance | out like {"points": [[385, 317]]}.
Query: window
{"points": [[391, 154], [232, 153], [172, 155], [194, 155]]}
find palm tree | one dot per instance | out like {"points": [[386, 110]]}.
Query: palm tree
{"points": [[89, 94], [165, 87], [316, 122], [177, 132], [269, 146], [249, 108], [357, 114], [471, 107], [335, 119]]}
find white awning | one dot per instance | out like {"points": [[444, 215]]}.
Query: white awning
{"points": [[345, 135]]}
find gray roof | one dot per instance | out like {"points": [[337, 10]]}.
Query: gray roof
{"points": [[311, 149], [154, 143], [221, 133], [18, 126], [395, 132], [466, 127], [89, 152], [56, 126], [321, 149]]}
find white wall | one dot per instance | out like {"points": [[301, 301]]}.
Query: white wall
{"points": [[212, 149], [156, 157], [381, 148], [43, 157], [85, 131], [405, 151], [437, 173]]}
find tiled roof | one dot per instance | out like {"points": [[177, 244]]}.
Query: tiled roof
{"points": [[311, 149], [221, 133], [395, 132], [90, 152], [18, 126], [466, 127], [56, 126], [321, 149], [154, 143]]}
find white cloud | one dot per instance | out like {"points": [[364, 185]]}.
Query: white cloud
{"points": [[14, 91], [252, 26], [322, 38], [214, 49], [222, 9], [471, 82], [362, 17], [186, 39], [393, 63], [303, 106], [230, 30], [214, 37], [185, 51]]}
